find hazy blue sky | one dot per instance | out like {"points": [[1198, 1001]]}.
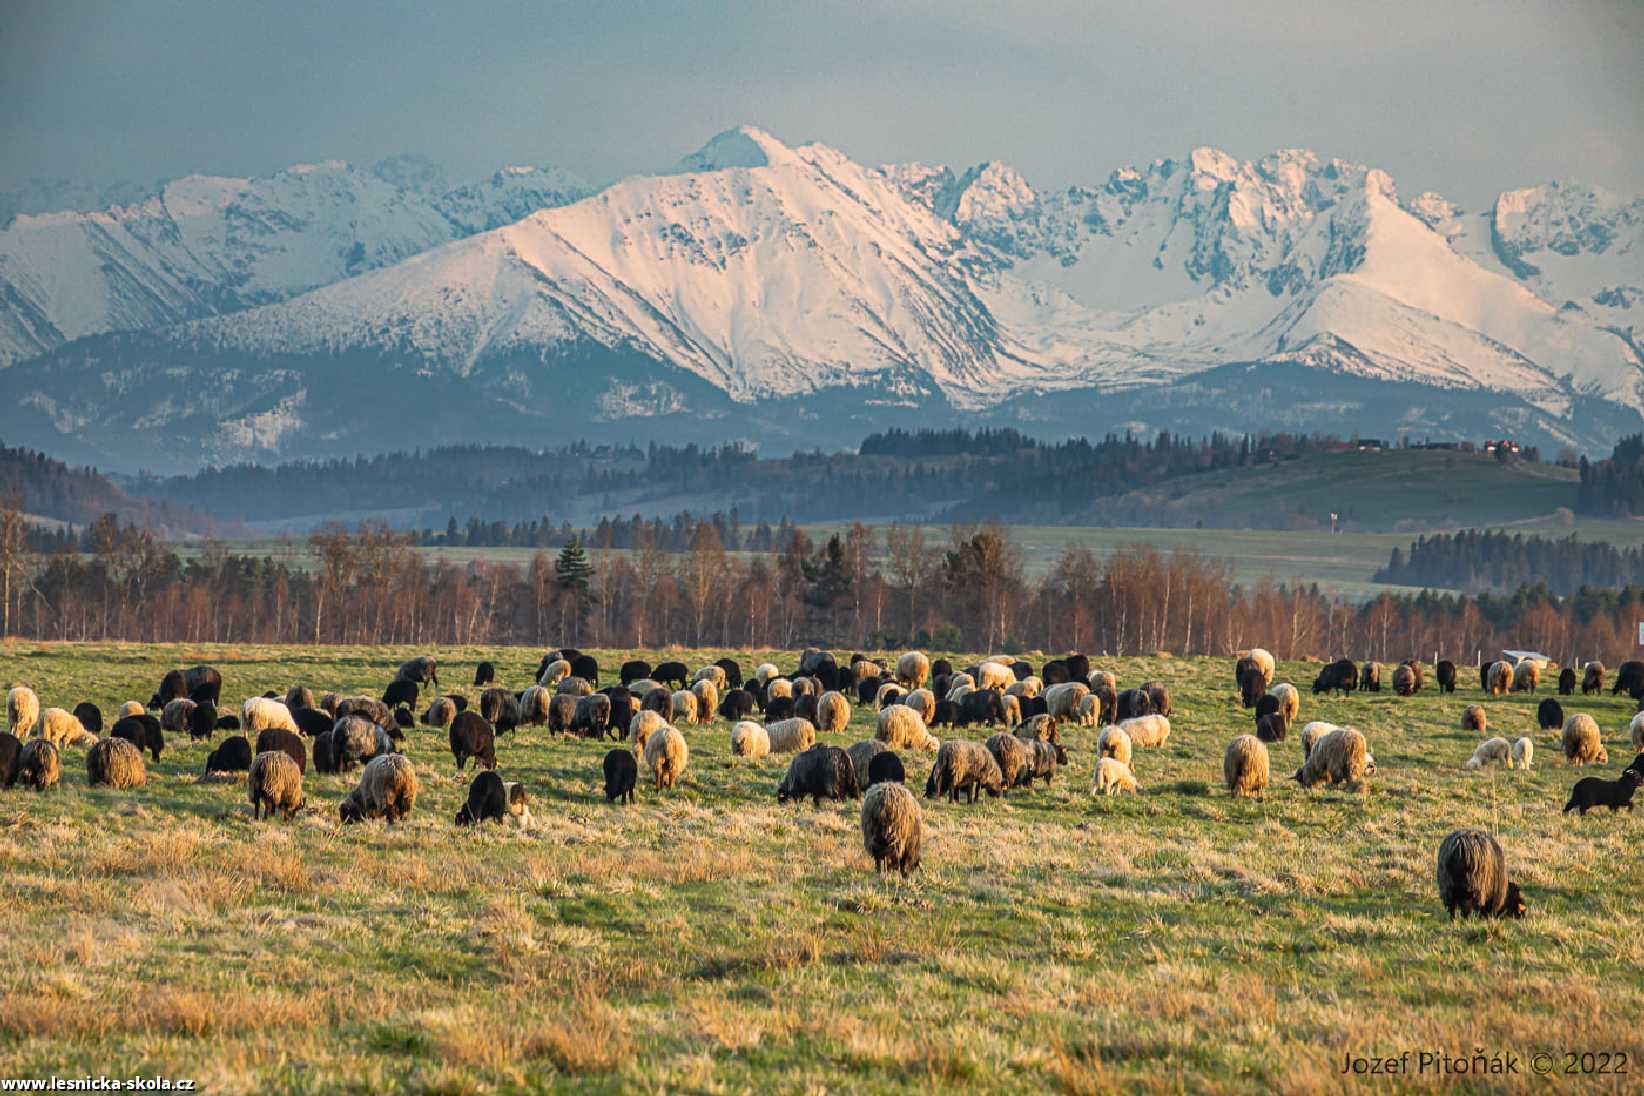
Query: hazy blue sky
{"points": [[1458, 96]]}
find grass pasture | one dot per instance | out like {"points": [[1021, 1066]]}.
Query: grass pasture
{"points": [[710, 940]]}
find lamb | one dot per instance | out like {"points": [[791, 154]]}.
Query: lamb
{"points": [[900, 728], [1582, 744], [791, 735], [1114, 742], [621, 774], [1594, 791], [554, 673], [421, 670], [1492, 751], [1549, 715], [261, 714], [274, 782], [440, 713], [1011, 756], [1062, 701], [644, 724], [1339, 757], [1592, 678], [1404, 680], [963, 766], [471, 736], [1524, 752], [862, 755], [39, 766], [833, 713], [1147, 731], [232, 755], [116, 763], [387, 788], [62, 729], [1474, 719], [1245, 767], [1445, 671], [666, 755], [748, 739], [22, 710], [820, 772], [1089, 712], [1472, 877], [893, 827], [707, 699], [1499, 679], [174, 716], [1526, 676], [142, 731], [1113, 777], [1289, 701], [913, 669]]}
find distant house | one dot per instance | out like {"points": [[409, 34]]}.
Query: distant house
{"points": [[1370, 445], [1495, 445]]}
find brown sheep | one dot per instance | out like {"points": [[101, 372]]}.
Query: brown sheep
{"points": [[1245, 767], [276, 783], [388, 787], [961, 766], [1582, 744], [1010, 755], [1474, 719], [115, 763], [39, 765], [893, 827], [1339, 757]]}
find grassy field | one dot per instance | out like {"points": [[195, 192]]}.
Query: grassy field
{"points": [[711, 940]]}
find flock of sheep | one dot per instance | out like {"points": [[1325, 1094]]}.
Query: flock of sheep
{"points": [[273, 739]]}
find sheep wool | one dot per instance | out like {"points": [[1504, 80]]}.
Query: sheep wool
{"points": [[913, 669], [259, 713], [778, 688], [714, 674], [115, 763], [1472, 877], [766, 672], [130, 707], [685, 707], [1101, 678], [174, 716], [748, 739], [1027, 687], [1010, 754], [1501, 678], [440, 713], [1340, 757], [553, 673], [1089, 711], [39, 765], [534, 704], [1312, 733], [833, 713], [900, 728], [1289, 700], [1112, 777], [1582, 744], [994, 675], [1146, 730], [63, 729], [1062, 701], [1474, 719], [574, 686], [1527, 676], [388, 789], [1245, 767], [893, 827], [666, 755], [889, 693], [1524, 752], [922, 701], [862, 755], [299, 696], [1492, 751], [22, 710], [1264, 662], [274, 783], [791, 735], [644, 724], [707, 699], [1114, 742]]}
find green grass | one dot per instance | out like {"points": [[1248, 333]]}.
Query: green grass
{"points": [[711, 940]]}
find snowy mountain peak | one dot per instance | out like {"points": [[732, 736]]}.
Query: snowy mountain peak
{"points": [[744, 146]]}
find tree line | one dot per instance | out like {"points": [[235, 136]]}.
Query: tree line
{"points": [[900, 586], [1499, 561], [1614, 486]]}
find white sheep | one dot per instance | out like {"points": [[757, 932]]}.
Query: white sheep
{"points": [[1113, 776], [553, 673], [748, 739], [1524, 752], [994, 675], [1289, 700], [1114, 742], [1635, 732], [666, 755], [261, 713], [901, 728], [791, 735], [642, 726], [1147, 730], [1492, 751], [1062, 701], [913, 669], [62, 729], [22, 710], [685, 707], [778, 688], [715, 674]]}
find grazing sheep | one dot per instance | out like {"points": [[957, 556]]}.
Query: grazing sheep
{"points": [[1370, 678], [736, 704], [130, 708], [1629, 679], [1500, 679], [592, 719], [574, 686], [501, 708], [142, 731], [900, 728], [1115, 743], [90, 716], [440, 712], [963, 766], [685, 705], [274, 782], [261, 714], [1527, 676], [707, 699], [642, 726], [820, 772], [1062, 701], [1272, 727], [1027, 688], [1133, 703], [893, 827], [1089, 711], [886, 767], [533, 705], [1445, 671], [1312, 733], [421, 670], [913, 669], [400, 693], [1492, 751], [472, 736], [39, 765], [621, 774], [866, 669], [781, 708], [1265, 663], [11, 749], [1474, 719], [232, 755], [983, 706], [672, 673], [555, 672], [1404, 680], [1472, 877], [1147, 731], [387, 788], [286, 742], [1011, 756], [325, 753], [995, 676], [1549, 715], [1592, 678], [355, 740], [666, 755], [1420, 672], [115, 763], [1289, 700], [484, 674], [889, 693], [491, 799], [1042, 759], [1102, 678], [1566, 682], [328, 704], [833, 713], [1340, 757], [62, 729], [1245, 767], [791, 735], [1524, 752], [947, 714], [562, 712], [1595, 791], [862, 755], [1112, 777], [779, 688], [1248, 675], [748, 739], [583, 666], [174, 716], [1582, 744], [715, 674], [22, 710], [924, 702], [202, 720], [634, 670]]}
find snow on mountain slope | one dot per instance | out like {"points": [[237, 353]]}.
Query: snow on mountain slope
{"points": [[206, 245]]}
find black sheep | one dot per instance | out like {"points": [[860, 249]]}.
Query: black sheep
{"points": [[11, 748], [805, 707], [585, 667], [500, 708], [1267, 705], [621, 773], [472, 736], [278, 738], [623, 708], [202, 720], [593, 716], [1592, 678], [1566, 682], [489, 799], [1158, 698], [311, 722], [1595, 791], [1445, 671], [1484, 675], [672, 673], [634, 670], [1107, 701], [867, 690], [459, 702], [1034, 705], [484, 674], [400, 692], [90, 716], [1340, 676], [325, 754], [886, 767], [941, 666], [142, 731], [1629, 679], [1271, 727], [228, 722], [201, 680], [982, 706], [1133, 703], [947, 714], [1022, 669], [736, 704], [780, 708], [820, 772], [1549, 714], [232, 755], [1054, 672], [1078, 667], [1252, 684]]}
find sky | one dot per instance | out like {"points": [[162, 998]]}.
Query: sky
{"points": [[1461, 96]]}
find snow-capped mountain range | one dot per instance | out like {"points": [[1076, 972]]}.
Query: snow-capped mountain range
{"points": [[794, 296]]}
